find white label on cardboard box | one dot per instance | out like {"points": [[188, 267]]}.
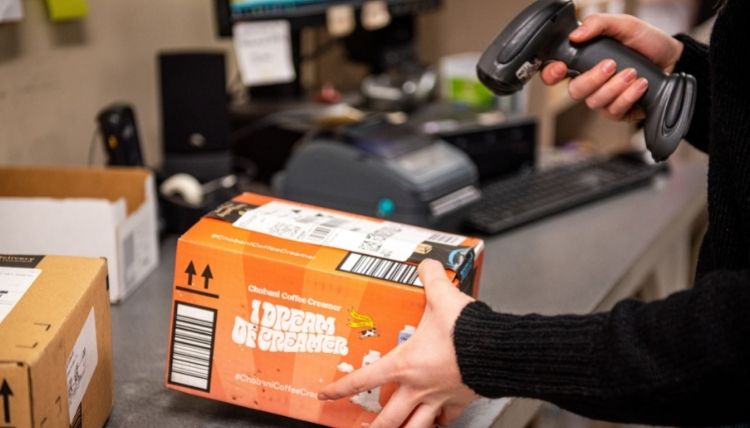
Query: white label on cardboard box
{"points": [[13, 285], [382, 239], [81, 364]]}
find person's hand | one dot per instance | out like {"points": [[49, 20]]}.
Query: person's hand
{"points": [[424, 367], [615, 94]]}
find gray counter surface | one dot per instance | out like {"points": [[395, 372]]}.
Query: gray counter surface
{"points": [[567, 264]]}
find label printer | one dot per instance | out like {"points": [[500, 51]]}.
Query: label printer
{"points": [[390, 171]]}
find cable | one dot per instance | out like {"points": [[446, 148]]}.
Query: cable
{"points": [[92, 145]]}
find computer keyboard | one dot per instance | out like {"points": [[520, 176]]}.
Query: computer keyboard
{"points": [[511, 202]]}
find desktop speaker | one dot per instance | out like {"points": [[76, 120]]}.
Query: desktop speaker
{"points": [[193, 102]]}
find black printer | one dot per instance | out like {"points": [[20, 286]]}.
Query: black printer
{"points": [[383, 170]]}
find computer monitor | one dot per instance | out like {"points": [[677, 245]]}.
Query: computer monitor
{"points": [[300, 13]]}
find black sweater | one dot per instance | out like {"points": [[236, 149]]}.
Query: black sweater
{"points": [[684, 360]]}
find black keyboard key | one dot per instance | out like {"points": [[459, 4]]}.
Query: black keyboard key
{"points": [[524, 198]]}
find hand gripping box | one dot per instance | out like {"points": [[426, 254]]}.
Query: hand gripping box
{"points": [[274, 299], [55, 342]]}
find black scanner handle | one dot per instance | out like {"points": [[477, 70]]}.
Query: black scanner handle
{"points": [[584, 56], [668, 102]]}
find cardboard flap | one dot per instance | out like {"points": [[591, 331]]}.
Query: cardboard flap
{"points": [[65, 182]]}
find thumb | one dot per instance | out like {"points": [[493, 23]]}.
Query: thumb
{"points": [[436, 282]]}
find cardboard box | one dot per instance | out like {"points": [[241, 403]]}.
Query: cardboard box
{"points": [[102, 212], [55, 331], [273, 299]]}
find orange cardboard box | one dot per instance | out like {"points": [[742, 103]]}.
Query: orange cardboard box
{"points": [[274, 299]]}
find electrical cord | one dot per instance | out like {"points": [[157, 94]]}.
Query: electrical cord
{"points": [[92, 146]]}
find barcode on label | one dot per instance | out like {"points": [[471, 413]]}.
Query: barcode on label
{"points": [[128, 251], [320, 233], [385, 269], [128, 261], [446, 238], [192, 346]]}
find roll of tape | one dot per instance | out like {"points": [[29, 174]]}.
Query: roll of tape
{"points": [[185, 186]]}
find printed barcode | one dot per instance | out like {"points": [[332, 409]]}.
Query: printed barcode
{"points": [[375, 267], [128, 259], [128, 250], [192, 346], [320, 233], [446, 238]]}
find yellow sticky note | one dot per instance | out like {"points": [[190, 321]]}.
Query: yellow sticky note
{"points": [[63, 10]]}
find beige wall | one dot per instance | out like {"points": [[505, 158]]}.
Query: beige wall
{"points": [[465, 25], [55, 77]]}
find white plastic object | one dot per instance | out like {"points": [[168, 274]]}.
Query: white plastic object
{"points": [[185, 186]]}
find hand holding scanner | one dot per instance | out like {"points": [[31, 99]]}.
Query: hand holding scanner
{"points": [[539, 35]]}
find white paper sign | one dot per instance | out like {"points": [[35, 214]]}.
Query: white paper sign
{"points": [[81, 364], [10, 10], [13, 285], [340, 20], [264, 52], [375, 15]]}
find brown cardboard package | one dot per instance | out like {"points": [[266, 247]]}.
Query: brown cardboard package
{"points": [[55, 342]]}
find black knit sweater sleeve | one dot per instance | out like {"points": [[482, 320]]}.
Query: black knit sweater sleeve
{"points": [[694, 61], [683, 360], [677, 361]]}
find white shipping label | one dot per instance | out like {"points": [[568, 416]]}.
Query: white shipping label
{"points": [[383, 239], [81, 364], [13, 285]]}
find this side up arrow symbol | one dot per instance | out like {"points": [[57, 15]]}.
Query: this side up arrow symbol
{"points": [[6, 392], [207, 276], [190, 271]]}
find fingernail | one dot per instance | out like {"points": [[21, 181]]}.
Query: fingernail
{"points": [[559, 70], [642, 84], [629, 75], [608, 66], [323, 397]]}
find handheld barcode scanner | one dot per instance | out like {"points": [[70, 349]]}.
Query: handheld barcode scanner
{"points": [[539, 35]]}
